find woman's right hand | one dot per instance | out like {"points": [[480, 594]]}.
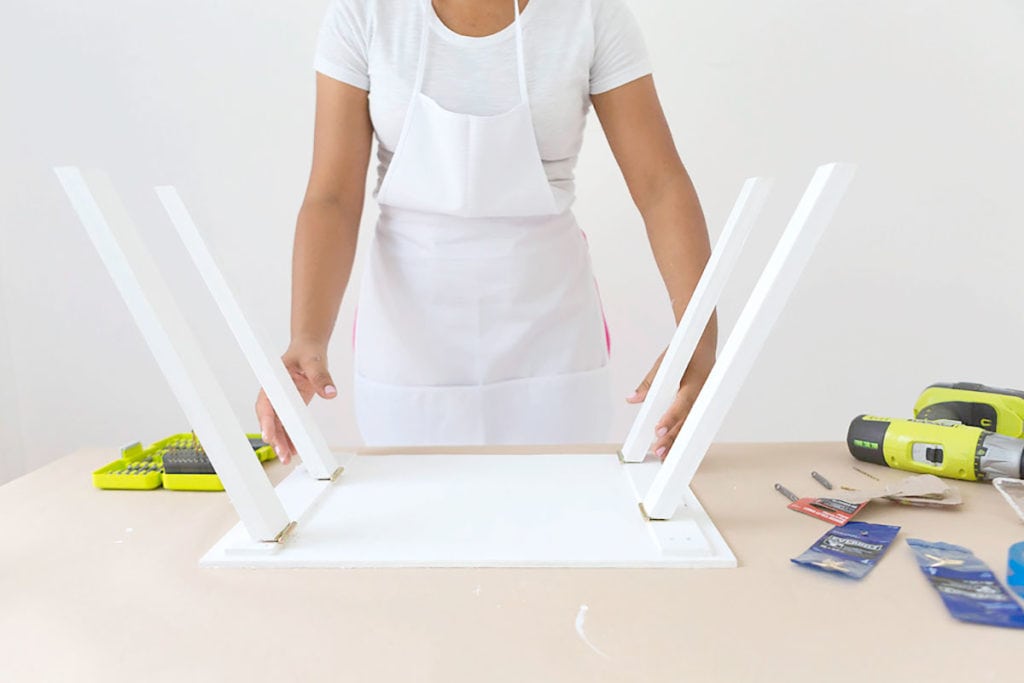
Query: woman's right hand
{"points": [[307, 364]]}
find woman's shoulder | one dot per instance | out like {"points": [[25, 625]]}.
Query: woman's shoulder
{"points": [[356, 11], [592, 11], [602, 9]]}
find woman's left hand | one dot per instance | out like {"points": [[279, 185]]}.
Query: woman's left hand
{"points": [[667, 428]]}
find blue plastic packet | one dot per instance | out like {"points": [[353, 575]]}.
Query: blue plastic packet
{"points": [[967, 586], [1015, 569], [851, 550]]}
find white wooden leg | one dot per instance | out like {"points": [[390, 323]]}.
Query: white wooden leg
{"points": [[695, 318], [173, 344], [767, 300], [274, 378]]}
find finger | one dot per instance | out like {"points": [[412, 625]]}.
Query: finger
{"points": [[676, 413], [313, 369], [640, 394], [265, 417], [292, 451], [664, 444], [300, 380], [307, 389], [276, 438], [281, 443], [264, 413], [274, 434], [275, 443], [286, 441], [671, 422], [284, 447], [322, 382]]}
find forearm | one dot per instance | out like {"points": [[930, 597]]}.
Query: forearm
{"points": [[322, 256], [679, 240]]}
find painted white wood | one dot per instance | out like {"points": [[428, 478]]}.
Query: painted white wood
{"points": [[273, 376], [301, 496], [695, 318], [511, 510], [766, 302], [688, 525], [482, 510], [174, 346]]}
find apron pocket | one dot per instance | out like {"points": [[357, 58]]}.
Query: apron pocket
{"points": [[567, 408]]}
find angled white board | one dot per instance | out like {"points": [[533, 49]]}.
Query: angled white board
{"points": [[480, 509], [695, 318], [476, 507], [554, 509], [309, 440], [173, 344], [780, 275]]}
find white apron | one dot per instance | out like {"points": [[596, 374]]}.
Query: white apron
{"points": [[479, 320]]}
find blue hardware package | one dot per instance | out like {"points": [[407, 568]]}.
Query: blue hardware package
{"points": [[851, 550], [969, 589], [1015, 569]]}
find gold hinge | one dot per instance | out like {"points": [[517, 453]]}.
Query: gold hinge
{"points": [[280, 538]]}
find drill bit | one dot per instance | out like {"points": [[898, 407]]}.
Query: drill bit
{"points": [[786, 492]]}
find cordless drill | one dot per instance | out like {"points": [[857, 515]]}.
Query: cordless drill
{"points": [[962, 431], [992, 409]]}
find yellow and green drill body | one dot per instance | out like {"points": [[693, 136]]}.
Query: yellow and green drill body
{"points": [[961, 431], [994, 410]]}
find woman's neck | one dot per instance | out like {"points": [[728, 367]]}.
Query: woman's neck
{"points": [[476, 18]]}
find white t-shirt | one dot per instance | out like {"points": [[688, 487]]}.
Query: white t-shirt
{"points": [[573, 49]]}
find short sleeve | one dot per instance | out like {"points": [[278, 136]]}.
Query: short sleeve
{"points": [[342, 45], [620, 54]]}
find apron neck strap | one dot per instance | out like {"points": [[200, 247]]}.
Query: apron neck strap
{"points": [[428, 10], [520, 58], [421, 65]]}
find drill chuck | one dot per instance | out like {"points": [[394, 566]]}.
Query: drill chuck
{"points": [[1002, 457]]}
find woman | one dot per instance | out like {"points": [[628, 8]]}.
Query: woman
{"points": [[479, 320]]}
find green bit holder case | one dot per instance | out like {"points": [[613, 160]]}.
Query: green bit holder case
{"points": [[142, 469]]}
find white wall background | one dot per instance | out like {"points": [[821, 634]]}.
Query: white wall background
{"points": [[918, 280]]}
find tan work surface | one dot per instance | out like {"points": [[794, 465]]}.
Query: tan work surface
{"points": [[104, 585]]}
